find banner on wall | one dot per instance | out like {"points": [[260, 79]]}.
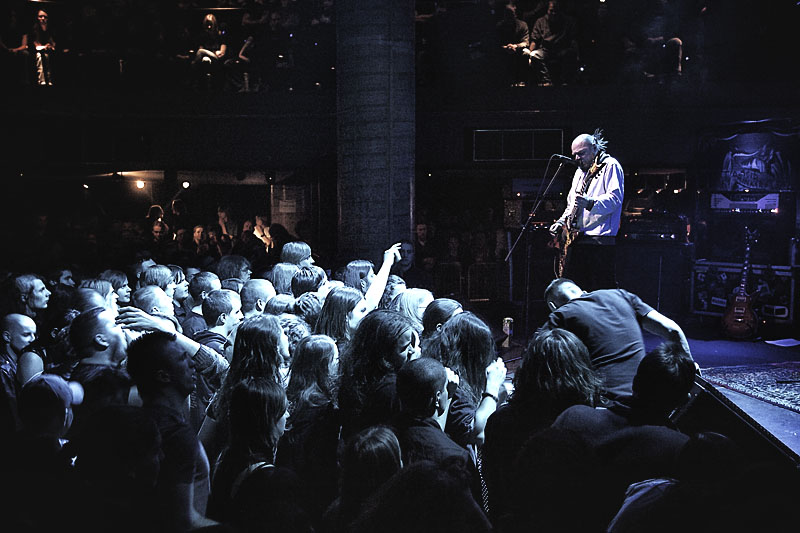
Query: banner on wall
{"points": [[758, 157]]}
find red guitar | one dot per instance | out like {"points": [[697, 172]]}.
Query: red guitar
{"points": [[739, 320]]}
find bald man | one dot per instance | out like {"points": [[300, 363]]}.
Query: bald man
{"points": [[255, 295], [592, 215], [18, 331]]}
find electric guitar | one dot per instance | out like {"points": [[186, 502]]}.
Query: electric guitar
{"points": [[569, 232], [740, 320]]}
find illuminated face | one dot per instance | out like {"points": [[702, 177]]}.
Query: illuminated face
{"points": [[406, 348], [180, 367], [281, 425], [41, 17], [39, 296], [198, 234], [583, 152], [111, 302], [181, 290], [158, 232], [124, 294], [114, 335], [233, 318], [66, 278], [355, 316], [406, 256], [170, 290], [21, 333], [333, 364]]}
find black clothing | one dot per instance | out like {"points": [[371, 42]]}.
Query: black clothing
{"points": [[422, 439], [631, 452], [9, 392], [309, 448], [380, 405], [506, 432], [193, 323], [607, 321], [103, 385]]}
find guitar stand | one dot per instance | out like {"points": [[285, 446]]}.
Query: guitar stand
{"points": [[529, 246]]}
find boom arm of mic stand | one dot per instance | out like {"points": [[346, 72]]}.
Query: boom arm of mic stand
{"points": [[533, 212]]}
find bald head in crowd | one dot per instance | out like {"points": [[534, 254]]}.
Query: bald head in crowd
{"points": [[152, 299], [255, 295], [18, 332]]}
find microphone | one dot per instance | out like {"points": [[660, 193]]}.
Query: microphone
{"points": [[564, 159]]}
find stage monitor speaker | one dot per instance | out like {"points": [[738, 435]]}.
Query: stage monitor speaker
{"points": [[657, 272], [710, 410]]}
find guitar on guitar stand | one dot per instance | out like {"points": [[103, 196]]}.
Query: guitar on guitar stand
{"points": [[568, 233], [740, 320]]}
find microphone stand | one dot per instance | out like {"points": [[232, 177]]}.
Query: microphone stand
{"points": [[529, 246]]}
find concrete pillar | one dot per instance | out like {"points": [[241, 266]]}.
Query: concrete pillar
{"points": [[375, 124]]}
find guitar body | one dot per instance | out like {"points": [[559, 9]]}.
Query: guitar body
{"points": [[740, 320], [564, 241]]}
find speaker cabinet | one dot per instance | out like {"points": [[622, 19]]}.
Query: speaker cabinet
{"points": [[658, 272], [710, 410]]}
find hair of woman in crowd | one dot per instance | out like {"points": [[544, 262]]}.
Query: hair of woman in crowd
{"points": [[257, 415], [370, 458], [412, 303], [257, 351], [555, 373], [296, 252], [375, 352], [105, 289], [119, 280], [357, 274], [314, 369], [467, 349], [336, 317], [281, 277], [437, 313]]}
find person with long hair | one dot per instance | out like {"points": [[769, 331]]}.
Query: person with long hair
{"points": [[465, 345], [257, 414], [343, 309], [119, 280], [381, 344], [412, 303], [437, 313], [258, 350], [281, 277], [555, 373], [370, 458], [106, 290], [310, 445], [297, 253], [339, 318]]}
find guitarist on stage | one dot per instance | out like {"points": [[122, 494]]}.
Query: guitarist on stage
{"points": [[588, 228]]}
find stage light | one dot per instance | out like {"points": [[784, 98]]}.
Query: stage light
{"points": [[185, 184], [139, 184], [85, 186]]}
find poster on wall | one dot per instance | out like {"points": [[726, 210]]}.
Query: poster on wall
{"points": [[757, 157]]}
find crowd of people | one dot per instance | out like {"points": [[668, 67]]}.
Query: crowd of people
{"points": [[242, 387], [280, 45], [246, 46]]}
